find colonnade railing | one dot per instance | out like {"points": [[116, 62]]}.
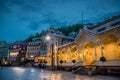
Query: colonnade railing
{"points": [[109, 63], [71, 64]]}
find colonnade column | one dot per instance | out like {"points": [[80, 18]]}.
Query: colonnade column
{"points": [[78, 53], [55, 55], [68, 51], [94, 51], [83, 53], [48, 53], [101, 47]]}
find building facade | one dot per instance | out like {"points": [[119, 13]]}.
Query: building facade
{"points": [[17, 50], [4, 50], [41, 58], [33, 49], [53, 40], [95, 46], [98, 45]]}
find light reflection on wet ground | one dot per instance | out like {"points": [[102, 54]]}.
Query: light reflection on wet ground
{"points": [[20, 73]]}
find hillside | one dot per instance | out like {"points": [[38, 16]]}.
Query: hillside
{"points": [[66, 30]]}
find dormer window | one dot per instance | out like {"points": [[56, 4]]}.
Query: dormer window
{"points": [[15, 46], [115, 24], [101, 29]]}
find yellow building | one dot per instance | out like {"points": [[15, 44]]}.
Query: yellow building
{"points": [[95, 46], [52, 47], [53, 40], [98, 45]]}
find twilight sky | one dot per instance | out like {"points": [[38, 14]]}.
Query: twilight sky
{"points": [[20, 18]]}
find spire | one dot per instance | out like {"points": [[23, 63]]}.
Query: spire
{"points": [[51, 29]]}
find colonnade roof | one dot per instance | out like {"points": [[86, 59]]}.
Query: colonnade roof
{"points": [[61, 36], [70, 43], [84, 32]]}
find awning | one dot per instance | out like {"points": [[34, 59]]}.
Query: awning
{"points": [[43, 52]]}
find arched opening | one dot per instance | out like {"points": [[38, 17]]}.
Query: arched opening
{"points": [[62, 56], [81, 55], [59, 56], [98, 52], [89, 53], [111, 48], [74, 54], [69, 55]]}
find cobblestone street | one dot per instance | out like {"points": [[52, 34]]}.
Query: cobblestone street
{"points": [[20, 73]]}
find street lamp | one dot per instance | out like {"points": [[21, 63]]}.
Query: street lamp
{"points": [[48, 38], [31, 56]]}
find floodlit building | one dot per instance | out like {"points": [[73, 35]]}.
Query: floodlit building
{"points": [[53, 40], [96, 45], [17, 50]]}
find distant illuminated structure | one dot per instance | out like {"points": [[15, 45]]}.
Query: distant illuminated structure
{"points": [[33, 49], [3, 50], [54, 39], [17, 50]]}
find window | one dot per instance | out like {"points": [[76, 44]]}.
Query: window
{"points": [[99, 30], [115, 24], [15, 46]]}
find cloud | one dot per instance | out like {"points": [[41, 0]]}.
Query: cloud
{"points": [[34, 25], [36, 15]]}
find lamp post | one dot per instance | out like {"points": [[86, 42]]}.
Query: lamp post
{"points": [[47, 37]]}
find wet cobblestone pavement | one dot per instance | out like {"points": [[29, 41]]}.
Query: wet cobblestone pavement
{"points": [[21, 73]]}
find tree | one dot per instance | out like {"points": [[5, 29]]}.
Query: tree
{"points": [[65, 30]]}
